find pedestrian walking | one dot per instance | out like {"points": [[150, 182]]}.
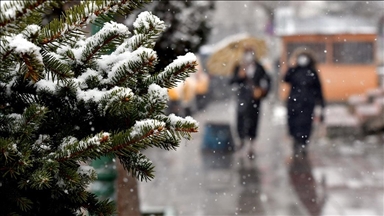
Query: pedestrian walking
{"points": [[253, 86], [305, 93]]}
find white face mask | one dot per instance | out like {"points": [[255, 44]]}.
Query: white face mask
{"points": [[302, 60], [248, 57]]}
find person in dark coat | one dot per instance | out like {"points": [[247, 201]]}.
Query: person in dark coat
{"points": [[305, 94], [254, 84]]}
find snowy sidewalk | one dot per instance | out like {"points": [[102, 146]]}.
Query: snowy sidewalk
{"points": [[348, 176]]}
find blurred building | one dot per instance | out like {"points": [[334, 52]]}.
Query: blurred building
{"points": [[345, 48]]}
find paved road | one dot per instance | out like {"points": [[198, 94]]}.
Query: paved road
{"points": [[338, 177]]}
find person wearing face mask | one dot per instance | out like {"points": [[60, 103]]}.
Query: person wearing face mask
{"points": [[305, 93], [253, 85]]}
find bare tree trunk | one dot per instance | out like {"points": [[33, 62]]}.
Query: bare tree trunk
{"points": [[127, 193]]}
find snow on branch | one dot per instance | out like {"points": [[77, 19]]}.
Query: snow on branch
{"points": [[106, 37], [182, 61], [177, 71], [31, 30], [29, 53], [94, 95], [71, 148], [146, 125], [136, 64], [147, 29], [113, 102], [176, 121], [146, 23], [13, 10], [42, 143], [88, 75], [46, 85], [143, 134], [80, 15], [153, 102], [157, 93]]}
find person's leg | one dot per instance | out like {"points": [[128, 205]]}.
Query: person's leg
{"points": [[305, 125], [300, 125], [253, 127], [251, 149], [299, 146], [241, 129]]}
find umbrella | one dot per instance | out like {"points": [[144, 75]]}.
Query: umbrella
{"points": [[229, 52]]}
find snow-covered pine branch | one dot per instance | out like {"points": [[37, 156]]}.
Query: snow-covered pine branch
{"points": [[73, 149], [137, 64], [24, 125], [182, 127], [81, 15], [55, 68], [147, 29], [66, 99], [103, 41], [120, 102], [27, 53], [177, 71], [13, 11]]}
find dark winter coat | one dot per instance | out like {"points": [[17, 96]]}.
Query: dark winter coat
{"points": [[304, 94], [248, 107]]}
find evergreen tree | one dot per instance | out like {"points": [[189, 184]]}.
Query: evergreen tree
{"points": [[66, 99], [188, 26]]}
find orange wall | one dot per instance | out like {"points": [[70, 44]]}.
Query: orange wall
{"points": [[339, 80]]}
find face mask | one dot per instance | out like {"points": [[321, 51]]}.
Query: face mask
{"points": [[248, 57], [302, 60]]}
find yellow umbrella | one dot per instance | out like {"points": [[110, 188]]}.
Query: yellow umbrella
{"points": [[230, 51]]}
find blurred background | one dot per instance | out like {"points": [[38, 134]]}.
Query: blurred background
{"points": [[343, 173]]}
